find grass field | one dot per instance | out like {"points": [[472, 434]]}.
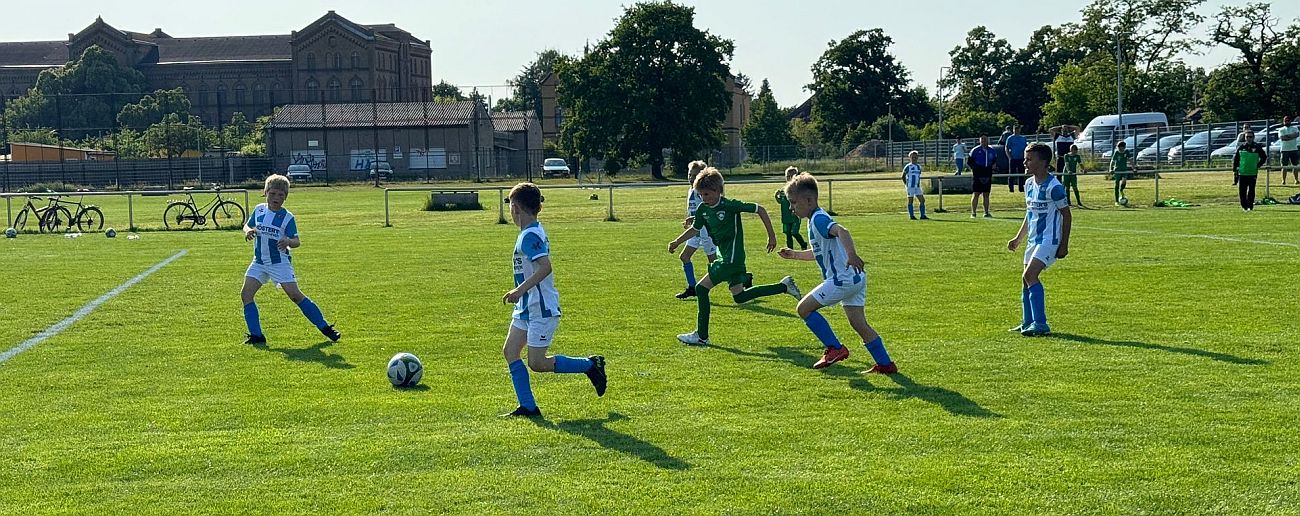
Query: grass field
{"points": [[1169, 387]]}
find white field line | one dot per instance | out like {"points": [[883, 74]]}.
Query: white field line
{"points": [[1182, 235], [85, 310]]}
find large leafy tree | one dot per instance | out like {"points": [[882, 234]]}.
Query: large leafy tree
{"points": [[979, 69], [767, 132], [854, 81], [447, 92], [614, 96], [81, 98], [152, 108], [1150, 32], [1267, 53]]}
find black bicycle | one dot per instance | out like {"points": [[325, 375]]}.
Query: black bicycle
{"points": [[224, 213], [48, 217], [88, 217]]}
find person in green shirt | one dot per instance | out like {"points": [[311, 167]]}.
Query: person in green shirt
{"points": [[721, 217], [1070, 174], [789, 221], [1246, 162], [1119, 170]]}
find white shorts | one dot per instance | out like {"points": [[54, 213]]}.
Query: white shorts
{"points": [[540, 331], [280, 273], [849, 294], [1045, 253], [703, 243], [913, 191]]}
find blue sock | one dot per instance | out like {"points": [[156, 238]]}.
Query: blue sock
{"points": [[523, 391], [878, 353], [312, 312], [565, 364], [822, 330], [1037, 305], [689, 268], [1026, 312], [253, 321], [910, 211], [922, 208]]}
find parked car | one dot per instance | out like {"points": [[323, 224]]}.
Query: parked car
{"points": [[1159, 148], [1099, 134], [382, 168], [1200, 145], [1135, 144], [555, 167], [299, 173], [1268, 137]]}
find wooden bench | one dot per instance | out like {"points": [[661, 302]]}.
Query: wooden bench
{"points": [[951, 185], [446, 200]]}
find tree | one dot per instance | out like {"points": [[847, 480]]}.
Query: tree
{"points": [[1024, 89], [153, 108], [447, 92], [970, 124], [767, 132], [527, 86], [979, 67], [614, 95], [853, 82], [1252, 30], [41, 135], [173, 137], [1150, 32], [1082, 91], [81, 98]]}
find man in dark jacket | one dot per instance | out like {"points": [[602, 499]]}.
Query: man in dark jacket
{"points": [[982, 160], [1245, 163]]}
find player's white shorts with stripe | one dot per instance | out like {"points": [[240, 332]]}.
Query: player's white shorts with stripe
{"points": [[703, 243], [1045, 253], [848, 294], [280, 272], [540, 330], [913, 191]]}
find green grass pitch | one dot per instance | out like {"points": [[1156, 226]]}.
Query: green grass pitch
{"points": [[1169, 387]]}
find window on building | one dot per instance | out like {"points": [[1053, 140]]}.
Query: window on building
{"points": [[559, 117], [335, 89], [202, 96], [338, 61], [259, 93], [311, 61], [313, 90], [356, 60], [222, 99], [240, 94], [355, 86]]}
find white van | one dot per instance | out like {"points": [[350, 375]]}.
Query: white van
{"points": [[1101, 130]]}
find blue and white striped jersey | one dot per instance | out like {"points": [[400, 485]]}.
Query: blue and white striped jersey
{"points": [[693, 201], [271, 226], [543, 300], [912, 175], [829, 252], [1043, 205]]}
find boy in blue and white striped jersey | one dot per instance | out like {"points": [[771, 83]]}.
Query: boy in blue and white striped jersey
{"points": [[274, 231], [844, 281], [1047, 226], [912, 179]]}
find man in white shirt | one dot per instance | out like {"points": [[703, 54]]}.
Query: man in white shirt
{"points": [[1288, 134], [959, 156]]}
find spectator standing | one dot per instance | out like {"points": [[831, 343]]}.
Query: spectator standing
{"points": [[982, 160], [1015, 148], [959, 156], [1245, 163], [1288, 134]]}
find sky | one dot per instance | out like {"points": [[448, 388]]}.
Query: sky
{"points": [[485, 43]]}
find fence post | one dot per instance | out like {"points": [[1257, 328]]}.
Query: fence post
{"points": [[501, 206], [941, 210], [130, 213], [830, 197], [1157, 174], [386, 224], [611, 217], [9, 211]]}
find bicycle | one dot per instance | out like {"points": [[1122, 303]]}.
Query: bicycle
{"points": [[87, 218], [223, 212], [56, 214]]}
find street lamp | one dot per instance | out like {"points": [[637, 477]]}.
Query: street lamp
{"points": [[940, 85], [889, 150]]}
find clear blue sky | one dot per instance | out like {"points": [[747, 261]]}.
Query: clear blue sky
{"points": [[486, 42]]}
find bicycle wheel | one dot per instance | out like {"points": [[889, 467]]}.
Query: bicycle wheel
{"points": [[90, 219], [227, 214], [179, 215], [21, 220], [56, 219]]}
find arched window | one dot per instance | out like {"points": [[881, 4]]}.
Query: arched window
{"points": [[338, 61], [335, 89], [202, 97], [311, 61], [221, 94], [240, 97], [356, 60], [313, 90], [355, 86], [259, 93]]}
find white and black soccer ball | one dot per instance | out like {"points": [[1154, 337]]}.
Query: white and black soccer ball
{"points": [[1123, 201], [110, 233], [405, 370], [11, 233]]}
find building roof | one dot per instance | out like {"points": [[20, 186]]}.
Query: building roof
{"points": [[511, 121], [230, 48], [46, 53], [390, 114]]}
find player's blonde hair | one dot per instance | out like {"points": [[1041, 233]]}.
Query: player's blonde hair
{"points": [[791, 171], [528, 196], [695, 167], [276, 182], [709, 179], [803, 184]]}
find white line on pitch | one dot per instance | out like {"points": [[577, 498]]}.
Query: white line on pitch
{"points": [[1181, 235], [85, 310]]}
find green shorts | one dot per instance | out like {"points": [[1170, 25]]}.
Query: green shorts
{"points": [[1120, 175], [790, 228], [1070, 180], [730, 273]]}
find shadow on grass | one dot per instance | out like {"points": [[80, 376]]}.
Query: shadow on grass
{"points": [[1222, 357], [951, 401], [596, 431], [315, 353], [752, 307]]}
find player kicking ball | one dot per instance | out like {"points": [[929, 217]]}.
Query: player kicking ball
{"points": [[844, 281], [1047, 223]]}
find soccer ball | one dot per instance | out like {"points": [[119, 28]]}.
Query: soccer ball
{"points": [[110, 233], [11, 233], [405, 370], [1123, 201]]}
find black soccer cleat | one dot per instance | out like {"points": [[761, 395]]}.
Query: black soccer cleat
{"points": [[597, 374], [749, 280], [255, 339], [687, 294], [522, 411], [330, 333]]}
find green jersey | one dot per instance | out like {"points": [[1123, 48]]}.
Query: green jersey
{"points": [[1248, 159], [723, 222], [1072, 163], [787, 217], [1119, 161]]}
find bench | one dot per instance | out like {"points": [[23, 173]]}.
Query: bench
{"points": [[951, 185], [447, 200]]}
